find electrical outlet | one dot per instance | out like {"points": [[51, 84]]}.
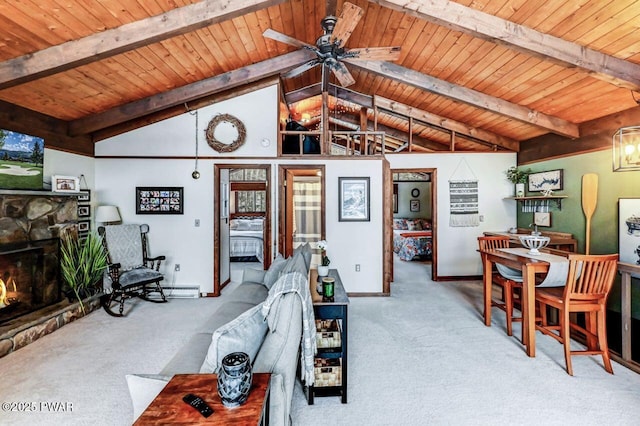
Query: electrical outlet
{"points": [[177, 268], [357, 267], [196, 223]]}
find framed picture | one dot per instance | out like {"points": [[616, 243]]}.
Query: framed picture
{"points": [[84, 211], [414, 205], [544, 181], [84, 225], [353, 199], [84, 196], [65, 183], [629, 231], [542, 218], [159, 200]]}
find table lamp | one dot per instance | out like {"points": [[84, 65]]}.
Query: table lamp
{"points": [[108, 215]]}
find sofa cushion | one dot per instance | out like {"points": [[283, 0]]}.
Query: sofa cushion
{"points": [[227, 312], [243, 334], [253, 275], [190, 356], [295, 263], [307, 253], [249, 292], [143, 388], [273, 273], [279, 354]]}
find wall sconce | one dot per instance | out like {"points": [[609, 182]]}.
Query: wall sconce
{"points": [[626, 149]]}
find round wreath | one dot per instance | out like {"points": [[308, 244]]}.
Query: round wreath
{"points": [[221, 146]]}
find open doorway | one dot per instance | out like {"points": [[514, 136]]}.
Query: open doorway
{"points": [[242, 219], [302, 217], [414, 224]]}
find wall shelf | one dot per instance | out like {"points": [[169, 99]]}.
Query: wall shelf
{"points": [[538, 203]]}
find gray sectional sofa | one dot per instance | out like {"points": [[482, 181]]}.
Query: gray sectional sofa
{"points": [[271, 336]]}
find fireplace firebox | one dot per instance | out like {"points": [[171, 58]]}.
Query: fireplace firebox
{"points": [[29, 277]]}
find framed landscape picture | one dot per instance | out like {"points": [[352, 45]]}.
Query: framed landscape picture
{"points": [[21, 160], [544, 181], [353, 199], [159, 200]]}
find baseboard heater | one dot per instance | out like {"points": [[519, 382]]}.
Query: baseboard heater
{"points": [[181, 292]]}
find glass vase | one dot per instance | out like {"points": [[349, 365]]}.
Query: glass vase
{"points": [[234, 379]]}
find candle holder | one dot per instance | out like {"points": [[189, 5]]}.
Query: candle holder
{"points": [[328, 287]]}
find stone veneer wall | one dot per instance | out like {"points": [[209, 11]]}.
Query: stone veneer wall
{"points": [[42, 325], [33, 216]]}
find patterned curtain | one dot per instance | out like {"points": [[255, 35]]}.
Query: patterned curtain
{"points": [[307, 215]]}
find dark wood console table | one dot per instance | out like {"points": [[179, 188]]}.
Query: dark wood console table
{"points": [[330, 360]]}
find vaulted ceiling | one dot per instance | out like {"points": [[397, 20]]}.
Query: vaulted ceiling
{"points": [[492, 72]]}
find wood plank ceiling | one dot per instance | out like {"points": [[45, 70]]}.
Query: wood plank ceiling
{"points": [[495, 72]]}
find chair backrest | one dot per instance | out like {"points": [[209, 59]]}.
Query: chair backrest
{"points": [[493, 242], [125, 244], [590, 277]]}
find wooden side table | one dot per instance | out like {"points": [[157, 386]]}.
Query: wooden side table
{"points": [[169, 408]]}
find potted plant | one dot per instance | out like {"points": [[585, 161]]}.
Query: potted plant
{"points": [[82, 263], [519, 178], [323, 268]]}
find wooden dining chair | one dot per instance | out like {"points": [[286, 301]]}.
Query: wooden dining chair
{"points": [[589, 282], [507, 285]]}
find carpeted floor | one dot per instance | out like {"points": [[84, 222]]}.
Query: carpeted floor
{"points": [[421, 356]]}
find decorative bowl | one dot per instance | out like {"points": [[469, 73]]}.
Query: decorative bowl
{"points": [[534, 242]]}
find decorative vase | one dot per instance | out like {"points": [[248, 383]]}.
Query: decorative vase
{"points": [[519, 189], [234, 379], [323, 271]]}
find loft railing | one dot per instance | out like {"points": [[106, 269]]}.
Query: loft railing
{"points": [[340, 143]]}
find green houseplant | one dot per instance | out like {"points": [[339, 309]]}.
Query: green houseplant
{"points": [[82, 263], [519, 178]]}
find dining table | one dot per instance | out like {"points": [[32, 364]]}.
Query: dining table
{"points": [[530, 266]]}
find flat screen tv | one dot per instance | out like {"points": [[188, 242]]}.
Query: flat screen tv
{"points": [[21, 160]]}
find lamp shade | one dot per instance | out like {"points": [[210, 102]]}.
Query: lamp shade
{"points": [[107, 214]]}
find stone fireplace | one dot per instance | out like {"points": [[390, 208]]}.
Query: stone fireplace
{"points": [[32, 303]]}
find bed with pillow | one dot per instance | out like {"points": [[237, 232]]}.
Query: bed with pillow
{"points": [[246, 238], [412, 238]]}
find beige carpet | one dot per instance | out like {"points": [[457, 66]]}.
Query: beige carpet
{"points": [[422, 356]]}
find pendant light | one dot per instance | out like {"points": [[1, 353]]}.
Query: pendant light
{"points": [[195, 174]]}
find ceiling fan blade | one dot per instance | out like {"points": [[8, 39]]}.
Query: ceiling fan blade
{"points": [[275, 35], [342, 74], [391, 53], [301, 68], [349, 18]]}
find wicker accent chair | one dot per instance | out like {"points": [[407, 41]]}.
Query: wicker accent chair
{"points": [[131, 273], [508, 285], [589, 282]]}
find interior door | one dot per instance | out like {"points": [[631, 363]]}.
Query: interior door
{"points": [[302, 207], [224, 229]]}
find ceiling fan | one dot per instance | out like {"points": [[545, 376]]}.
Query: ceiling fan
{"points": [[329, 47]]}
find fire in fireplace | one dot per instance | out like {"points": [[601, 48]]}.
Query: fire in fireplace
{"points": [[29, 277]]}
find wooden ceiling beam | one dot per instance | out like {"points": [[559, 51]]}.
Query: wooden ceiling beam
{"points": [[457, 17], [190, 92], [335, 91], [51, 129], [127, 37], [469, 96], [447, 123]]}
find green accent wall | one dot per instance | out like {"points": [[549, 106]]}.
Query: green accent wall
{"points": [[604, 222]]}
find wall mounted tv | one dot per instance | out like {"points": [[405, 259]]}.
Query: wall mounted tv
{"points": [[21, 160]]}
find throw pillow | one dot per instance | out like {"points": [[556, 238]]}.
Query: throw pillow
{"points": [[143, 388], [414, 225], [295, 263], [243, 334], [272, 274]]}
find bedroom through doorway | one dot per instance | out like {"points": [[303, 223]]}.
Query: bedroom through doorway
{"points": [[243, 231]]}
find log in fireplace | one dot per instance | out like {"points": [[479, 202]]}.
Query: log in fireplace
{"points": [[29, 277]]}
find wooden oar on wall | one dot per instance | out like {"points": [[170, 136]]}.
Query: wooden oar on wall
{"points": [[589, 201]]}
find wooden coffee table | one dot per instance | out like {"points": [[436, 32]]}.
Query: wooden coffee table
{"points": [[168, 407]]}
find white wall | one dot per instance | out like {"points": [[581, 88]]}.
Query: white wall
{"points": [[351, 243], [457, 254]]}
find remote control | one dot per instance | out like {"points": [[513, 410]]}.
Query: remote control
{"points": [[198, 403]]}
